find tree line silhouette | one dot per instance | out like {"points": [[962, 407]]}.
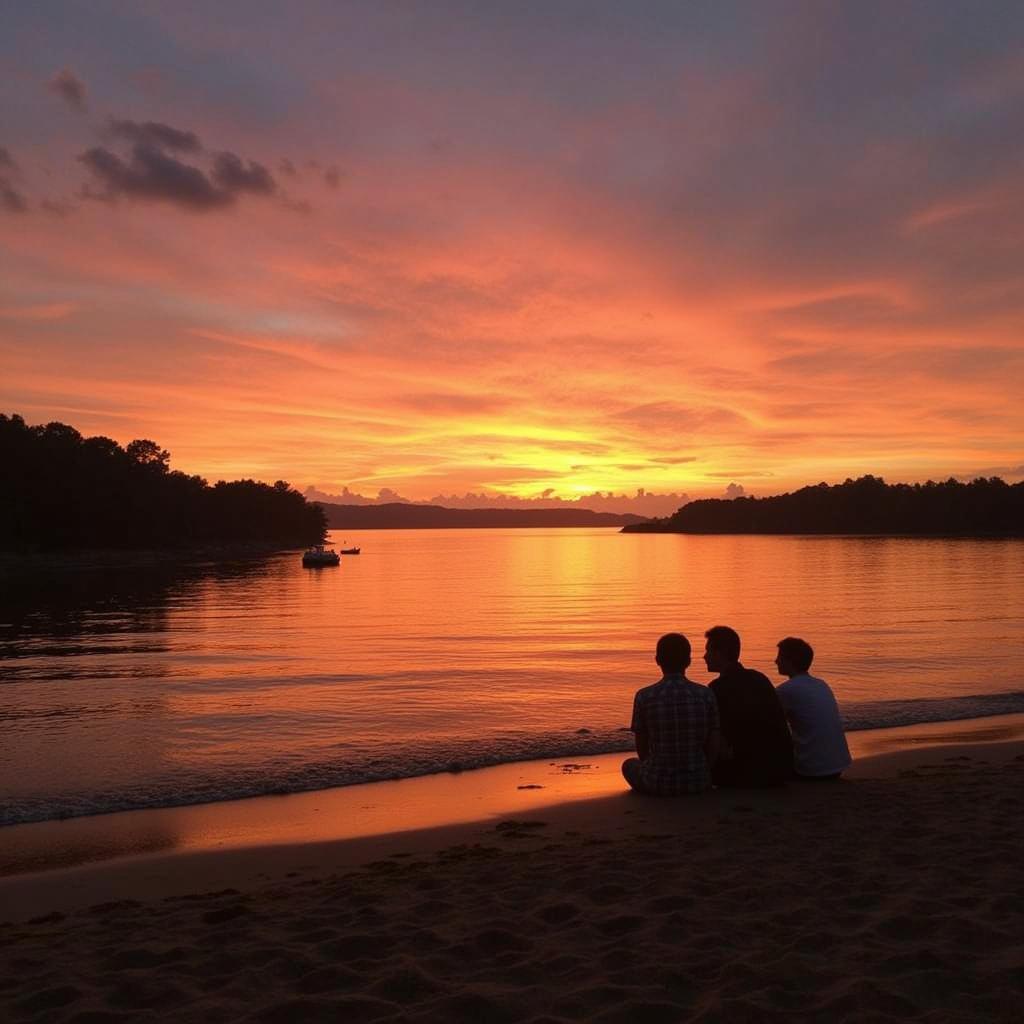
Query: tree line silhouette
{"points": [[982, 507], [59, 490]]}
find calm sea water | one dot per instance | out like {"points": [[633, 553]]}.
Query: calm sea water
{"points": [[439, 649]]}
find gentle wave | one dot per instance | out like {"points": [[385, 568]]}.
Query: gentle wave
{"points": [[280, 779], [889, 714]]}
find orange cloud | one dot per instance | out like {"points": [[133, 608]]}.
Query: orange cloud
{"points": [[603, 274]]}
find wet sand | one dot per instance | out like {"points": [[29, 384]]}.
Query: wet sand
{"points": [[897, 893]]}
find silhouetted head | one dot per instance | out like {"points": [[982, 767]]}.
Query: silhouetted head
{"points": [[673, 653], [795, 656], [722, 649]]}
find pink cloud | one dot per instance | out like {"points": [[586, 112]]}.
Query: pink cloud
{"points": [[601, 276]]}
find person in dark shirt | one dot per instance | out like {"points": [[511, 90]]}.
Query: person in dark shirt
{"points": [[756, 748]]}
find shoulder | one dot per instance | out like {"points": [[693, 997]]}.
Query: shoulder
{"points": [[698, 690], [789, 691], [802, 682], [755, 678], [705, 693], [647, 692]]}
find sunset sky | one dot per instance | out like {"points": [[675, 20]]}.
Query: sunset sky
{"points": [[444, 247]]}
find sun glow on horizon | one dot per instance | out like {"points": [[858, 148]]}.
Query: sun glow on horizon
{"points": [[508, 277]]}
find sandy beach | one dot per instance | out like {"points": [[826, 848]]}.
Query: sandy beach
{"points": [[896, 894]]}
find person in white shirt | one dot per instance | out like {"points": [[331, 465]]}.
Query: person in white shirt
{"points": [[819, 742]]}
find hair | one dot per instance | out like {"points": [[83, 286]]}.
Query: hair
{"points": [[673, 652], [797, 652], [725, 640]]}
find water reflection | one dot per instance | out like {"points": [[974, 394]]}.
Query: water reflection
{"points": [[162, 684], [48, 610], [85, 654]]}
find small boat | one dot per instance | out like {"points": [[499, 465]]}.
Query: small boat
{"points": [[349, 551], [318, 556]]}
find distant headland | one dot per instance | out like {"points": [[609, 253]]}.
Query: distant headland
{"points": [[61, 491], [981, 508], [406, 516]]}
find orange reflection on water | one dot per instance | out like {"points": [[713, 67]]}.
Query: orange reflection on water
{"points": [[442, 647]]}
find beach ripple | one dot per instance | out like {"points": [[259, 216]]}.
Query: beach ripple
{"points": [[897, 899]]}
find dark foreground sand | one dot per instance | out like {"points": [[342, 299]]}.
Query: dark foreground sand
{"points": [[895, 895]]}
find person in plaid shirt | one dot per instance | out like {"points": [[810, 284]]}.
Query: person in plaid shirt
{"points": [[676, 727]]}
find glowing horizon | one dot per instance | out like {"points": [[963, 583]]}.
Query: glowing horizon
{"points": [[581, 249]]}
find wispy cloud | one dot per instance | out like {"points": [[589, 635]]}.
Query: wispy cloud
{"points": [[11, 200], [70, 88], [155, 134]]}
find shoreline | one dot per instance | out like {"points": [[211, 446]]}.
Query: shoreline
{"points": [[370, 816], [860, 736], [883, 535], [81, 559], [892, 895]]}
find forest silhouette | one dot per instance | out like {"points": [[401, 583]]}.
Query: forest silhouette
{"points": [[60, 490], [982, 507]]}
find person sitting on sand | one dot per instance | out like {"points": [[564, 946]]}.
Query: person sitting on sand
{"points": [[756, 747], [820, 750], [676, 726]]}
